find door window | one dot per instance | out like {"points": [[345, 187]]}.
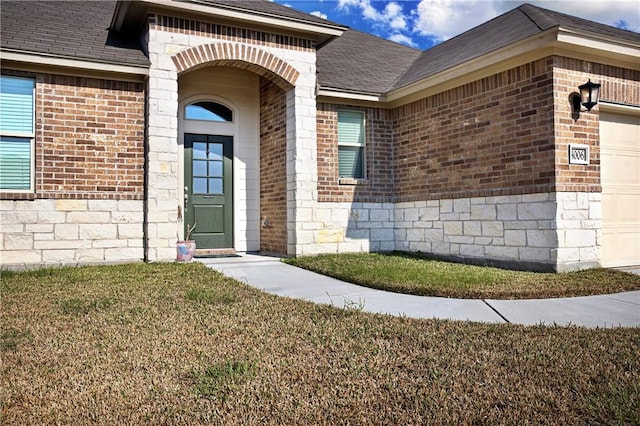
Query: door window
{"points": [[208, 168]]}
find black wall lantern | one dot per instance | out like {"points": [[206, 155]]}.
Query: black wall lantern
{"points": [[588, 97]]}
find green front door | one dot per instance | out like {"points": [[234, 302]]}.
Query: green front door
{"points": [[209, 190]]}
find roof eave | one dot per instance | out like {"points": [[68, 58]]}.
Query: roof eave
{"points": [[599, 43], [335, 95], [38, 59], [128, 13], [567, 42]]}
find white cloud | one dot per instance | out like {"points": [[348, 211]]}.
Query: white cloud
{"points": [[443, 19], [439, 20], [319, 14], [391, 15], [402, 39], [398, 23]]}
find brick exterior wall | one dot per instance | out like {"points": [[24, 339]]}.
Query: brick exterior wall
{"points": [[273, 168], [378, 183], [506, 134], [229, 33], [618, 86], [90, 138], [490, 137]]}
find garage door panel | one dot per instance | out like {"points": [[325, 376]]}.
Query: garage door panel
{"points": [[626, 170], [624, 247], [620, 177], [624, 209]]}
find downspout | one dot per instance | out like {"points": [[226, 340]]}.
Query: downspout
{"points": [[145, 203]]}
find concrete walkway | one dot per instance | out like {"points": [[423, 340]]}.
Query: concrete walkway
{"points": [[273, 276]]}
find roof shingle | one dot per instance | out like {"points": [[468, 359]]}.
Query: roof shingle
{"points": [[361, 62], [355, 62], [511, 27], [76, 30]]}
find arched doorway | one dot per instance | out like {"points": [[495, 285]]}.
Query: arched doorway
{"points": [[218, 145], [208, 174]]}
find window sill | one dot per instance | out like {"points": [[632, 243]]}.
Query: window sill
{"points": [[351, 181], [28, 196]]}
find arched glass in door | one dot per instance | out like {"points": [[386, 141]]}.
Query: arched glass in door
{"points": [[208, 111]]}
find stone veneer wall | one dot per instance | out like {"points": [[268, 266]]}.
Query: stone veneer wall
{"points": [[519, 231], [67, 231], [543, 231], [273, 168], [89, 176]]}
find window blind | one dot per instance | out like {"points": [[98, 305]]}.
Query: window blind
{"points": [[15, 163], [16, 105], [350, 162], [351, 128]]}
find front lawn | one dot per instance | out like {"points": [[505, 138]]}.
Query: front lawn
{"points": [[181, 344], [405, 273]]}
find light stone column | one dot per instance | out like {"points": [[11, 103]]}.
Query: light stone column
{"points": [[163, 167], [302, 172]]}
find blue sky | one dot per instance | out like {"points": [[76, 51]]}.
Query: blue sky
{"points": [[423, 23]]}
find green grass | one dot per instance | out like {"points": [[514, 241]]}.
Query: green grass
{"points": [[181, 344], [220, 380], [404, 273]]}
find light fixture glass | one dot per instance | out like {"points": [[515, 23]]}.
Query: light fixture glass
{"points": [[589, 93]]}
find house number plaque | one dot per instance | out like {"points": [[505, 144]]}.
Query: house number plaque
{"points": [[578, 154]]}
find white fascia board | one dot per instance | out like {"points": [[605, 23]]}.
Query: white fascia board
{"points": [[594, 42], [252, 17], [65, 62], [620, 108], [337, 94]]}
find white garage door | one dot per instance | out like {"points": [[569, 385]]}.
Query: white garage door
{"points": [[620, 174]]}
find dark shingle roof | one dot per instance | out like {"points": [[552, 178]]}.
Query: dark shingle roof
{"points": [[361, 62], [547, 19], [356, 61], [511, 27], [66, 28]]}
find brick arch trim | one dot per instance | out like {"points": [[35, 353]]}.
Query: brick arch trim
{"points": [[239, 56]]}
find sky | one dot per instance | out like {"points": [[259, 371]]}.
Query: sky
{"points": [[424, 23]]}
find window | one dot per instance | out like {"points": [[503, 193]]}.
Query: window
{"points": [[351, 144], [16, 133], [208, 111]]}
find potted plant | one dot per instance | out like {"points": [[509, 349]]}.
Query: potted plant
{"points": [[186, 248]]}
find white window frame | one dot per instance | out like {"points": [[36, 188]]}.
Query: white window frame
{"points": [[357, 145], [25, 135]]}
